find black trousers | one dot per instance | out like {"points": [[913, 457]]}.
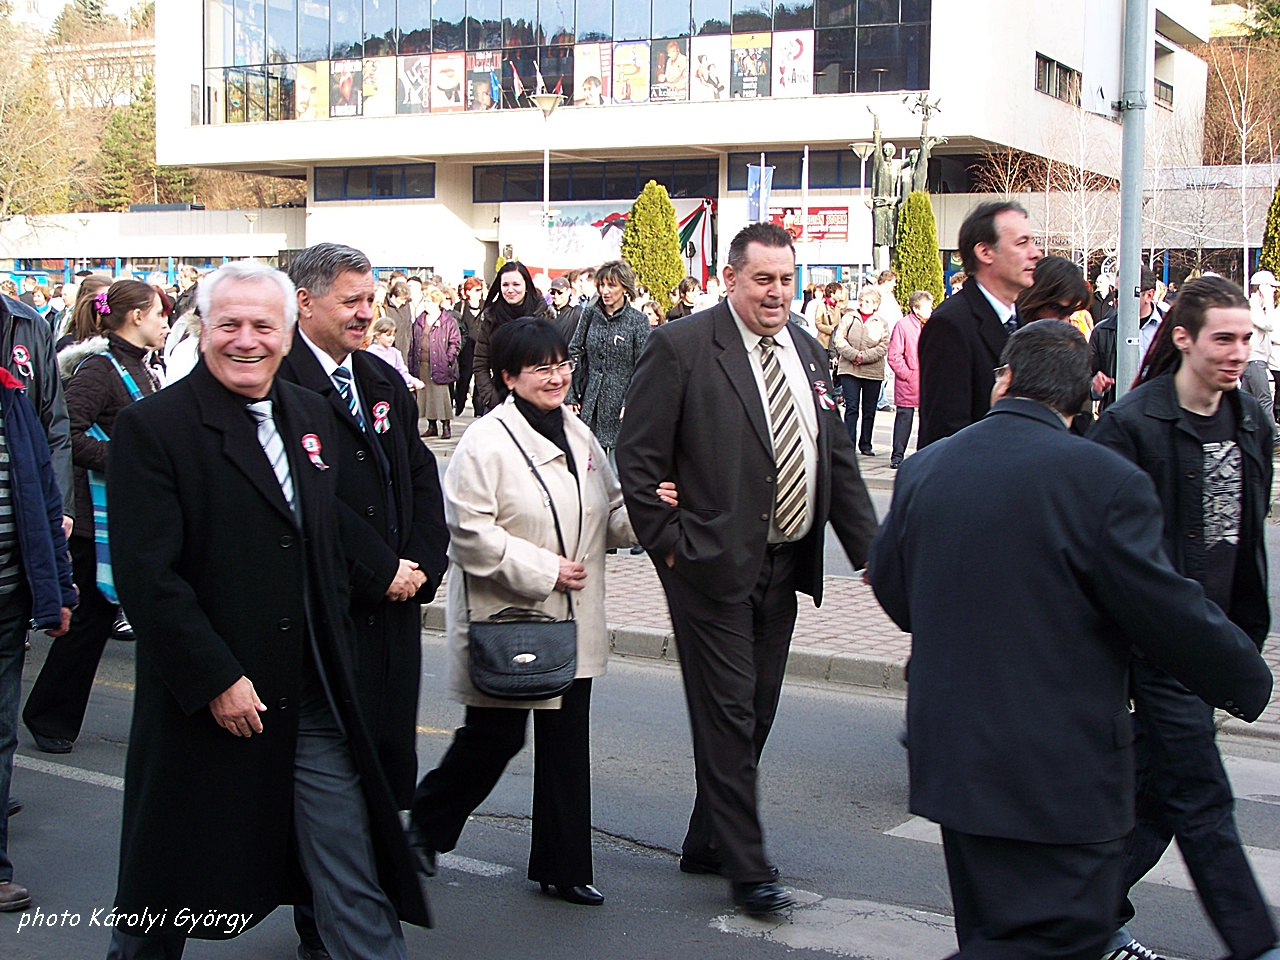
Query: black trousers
{"points": [[459, 387], [560, 852], [1019, 900], [733, 657], [1183, 792], [868, 391], [57, 702], [902, 421]]}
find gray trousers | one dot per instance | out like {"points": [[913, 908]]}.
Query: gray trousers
{"points": [[1257, 383], [355, 918]]}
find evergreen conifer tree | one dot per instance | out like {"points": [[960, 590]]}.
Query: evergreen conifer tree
{"points": [[915, 256], [1269, 256], [651, 243]]}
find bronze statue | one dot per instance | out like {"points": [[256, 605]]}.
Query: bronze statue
{"points": [[920, 171], [885, 195]]}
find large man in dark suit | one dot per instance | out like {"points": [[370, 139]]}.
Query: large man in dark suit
{"points": [[960, 345], [389, 478], [1027, 563], [248, 753], [736, 406]]}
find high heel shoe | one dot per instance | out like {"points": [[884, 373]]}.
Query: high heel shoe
{"points": [[586, 895]]}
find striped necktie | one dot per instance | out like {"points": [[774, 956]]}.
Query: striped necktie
{"points": [[790, 494], [269, 437], [342, 380]]}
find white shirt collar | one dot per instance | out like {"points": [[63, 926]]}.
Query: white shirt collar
{"points": [[327, 363], [1003, 312], [749, 339]]}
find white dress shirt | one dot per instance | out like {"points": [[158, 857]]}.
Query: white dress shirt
{"points": [[802, 391], [1003, 311], [328, 365]]}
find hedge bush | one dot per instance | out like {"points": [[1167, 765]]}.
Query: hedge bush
{"points": [[651, 243]]}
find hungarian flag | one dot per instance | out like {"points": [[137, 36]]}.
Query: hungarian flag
{"points": [[516, 85], [542, 87], [559, 90]]}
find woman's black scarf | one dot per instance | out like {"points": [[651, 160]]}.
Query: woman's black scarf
{"points": [[549, 423]]}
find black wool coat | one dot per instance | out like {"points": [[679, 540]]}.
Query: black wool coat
{"points": [[1026, 563], [960, 348], [394, 488], [221, 582], [695, 416]]}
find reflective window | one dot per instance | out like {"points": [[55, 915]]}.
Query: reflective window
{"points": [[313, 30], [219, 33], [556, 19], [519, 22], [588, 181], [359, 183], [282, 31], [834, 60], [484, 24], [486, 184], [670, 18], [255, 95], [695, 178], [388, 182], [524, 183], [235, 96], [824, 168], [916, 11], [877, 11], [793, 15], [521, 60], [328, 181], [379, 28], [836, 13], [557, 68], [251, 35], [448, 25], [711, 16], [558, 183], [282, 91], [631, 19], [752, 16], [595, 20], [415, 26], [893, 58], [657, 171], [620, 180], [346, 35], [420, 180]]}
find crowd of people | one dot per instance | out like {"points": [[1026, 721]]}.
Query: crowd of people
{"points": [[238, 465]]}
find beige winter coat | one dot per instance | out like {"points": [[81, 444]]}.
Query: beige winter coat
{"points": [[503, 536], [871, 339]]}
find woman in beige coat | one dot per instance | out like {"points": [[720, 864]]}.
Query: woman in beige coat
{"points": [[861, 341], [504, 545]]}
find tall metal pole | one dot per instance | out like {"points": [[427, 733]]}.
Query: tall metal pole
{"points": [[1133, 110], [804, 223]]}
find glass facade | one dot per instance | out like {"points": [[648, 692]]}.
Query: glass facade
{"points": [[314, 59], [594, 181], [398, 182]]}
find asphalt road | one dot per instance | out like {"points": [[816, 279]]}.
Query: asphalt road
{"points": [[834, 782]]}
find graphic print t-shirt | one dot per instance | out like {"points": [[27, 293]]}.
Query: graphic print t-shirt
{"points": [[1223, 499]]}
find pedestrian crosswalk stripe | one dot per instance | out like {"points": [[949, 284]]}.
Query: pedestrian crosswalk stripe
{"points": [[480, 868], [68, 772]]}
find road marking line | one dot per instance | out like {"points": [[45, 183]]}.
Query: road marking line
{"points": [[432, 731], [850, 928], [1256, 780], [480, 868], [68, 772], [1171, 871]]}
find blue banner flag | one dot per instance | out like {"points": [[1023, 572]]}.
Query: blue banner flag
{"points": [[758, 190]]}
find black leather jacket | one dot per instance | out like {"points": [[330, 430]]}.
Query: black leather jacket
{"points": [[26, 350], [1147, 427]]}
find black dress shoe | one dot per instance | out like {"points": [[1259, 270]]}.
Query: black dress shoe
{"points": [[53, 744], [695, 865], [15, 806], [764, 897], [586, 895], [424, 854]]}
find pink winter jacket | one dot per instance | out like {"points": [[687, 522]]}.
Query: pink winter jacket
{"points": [[904, 360]]}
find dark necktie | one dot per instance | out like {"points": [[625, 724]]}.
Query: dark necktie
{"points": [[790, 494], [1011, 325], [342, 380]]}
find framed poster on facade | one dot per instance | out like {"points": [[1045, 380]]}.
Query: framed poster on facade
{"points": [[669, 79], [413, 83], [631, 71], [709, 63], [484, 80], [793, 63], [312, 91], [592, 74], [346, 88], [379, 86], [750, 77], [448, 74], [255, 93]]}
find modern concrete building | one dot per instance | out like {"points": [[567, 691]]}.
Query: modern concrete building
{"points": [[409, 121]]}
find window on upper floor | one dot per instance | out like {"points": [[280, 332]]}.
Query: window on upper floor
{"points": [[1057, 80]]}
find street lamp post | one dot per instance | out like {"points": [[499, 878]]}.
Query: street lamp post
{"points": [[547, 103], [864, 149]]}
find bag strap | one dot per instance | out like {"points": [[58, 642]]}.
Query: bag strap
{"points": [[555, 516], [129, 383]]}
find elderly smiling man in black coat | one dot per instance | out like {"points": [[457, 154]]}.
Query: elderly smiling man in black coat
{"points": [[1027, 563], [248, 754]]}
